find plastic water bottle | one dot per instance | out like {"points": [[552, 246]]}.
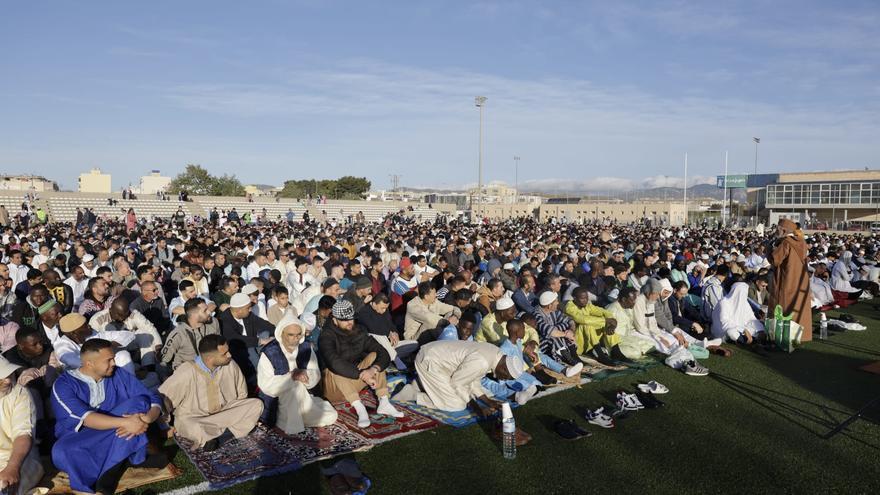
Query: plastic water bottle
{"points": [[823, 326], [508, 431]]}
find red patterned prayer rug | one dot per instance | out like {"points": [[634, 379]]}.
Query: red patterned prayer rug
{"points": [[268, 452], [383, 428]]}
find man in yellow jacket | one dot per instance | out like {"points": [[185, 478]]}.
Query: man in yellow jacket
{"points": [[594, 331]]}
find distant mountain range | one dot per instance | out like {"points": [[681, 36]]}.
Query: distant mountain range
{"points": [[696, 191]]}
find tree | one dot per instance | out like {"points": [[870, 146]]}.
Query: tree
{"points": [[347, 187], [196, 180], [352, 187], [227, 185]]}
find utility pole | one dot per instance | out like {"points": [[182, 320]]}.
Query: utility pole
{"points": [[480, 102], [516, 179]]}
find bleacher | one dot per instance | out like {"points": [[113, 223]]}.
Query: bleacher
{"points": [[274, 210], [373, 210], [12, 202], [62, 208]]}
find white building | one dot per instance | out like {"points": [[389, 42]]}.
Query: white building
{"points": [[31, 183], [151, 184], [95, 182]]}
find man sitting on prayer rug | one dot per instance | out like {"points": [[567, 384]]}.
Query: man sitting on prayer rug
{"points": [[208, 397], [102, 418], [287, 369]]}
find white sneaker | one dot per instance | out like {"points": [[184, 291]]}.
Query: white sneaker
{"points": [[599, 418], [526, 395], [693, 368], [574, 370]]}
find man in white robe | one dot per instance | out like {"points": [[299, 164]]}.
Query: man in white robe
{"points": [[285, 374], [450, 372]]}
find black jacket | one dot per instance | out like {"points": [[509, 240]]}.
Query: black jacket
{"points": [[341, 351], [254, 326], [375, 323], [239, 342]]}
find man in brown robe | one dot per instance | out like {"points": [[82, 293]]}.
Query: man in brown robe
{"points": [[208, 397], [791, 281]]}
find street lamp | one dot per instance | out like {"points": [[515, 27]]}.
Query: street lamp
{"points": [[480, 101], [757, 141], [516, 179]]}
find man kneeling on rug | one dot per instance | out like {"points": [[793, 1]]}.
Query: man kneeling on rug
{"points": [[354, 361], [208, 397], [286, 371], [450, 373], [102, 415]]}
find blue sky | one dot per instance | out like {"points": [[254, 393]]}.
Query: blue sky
{"points": [[603, 95]]}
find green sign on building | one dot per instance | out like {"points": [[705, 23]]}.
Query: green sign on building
{"points": [[732, 182]]}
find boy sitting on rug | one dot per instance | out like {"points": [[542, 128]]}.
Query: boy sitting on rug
{"points": [[208, 397]]}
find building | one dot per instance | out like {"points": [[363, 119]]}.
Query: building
{"points": [[500, 193], [153, 183], [95, 182], [836, 199], [261, 190], [658, 213], [28, 183]]}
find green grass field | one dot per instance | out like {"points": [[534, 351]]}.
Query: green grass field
{"points": [[755, 425]]}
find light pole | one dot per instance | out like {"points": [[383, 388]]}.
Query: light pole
{"points": [[480, 101], [516, 179], [757, 141]]}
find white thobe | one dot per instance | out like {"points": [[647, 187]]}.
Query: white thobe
{"points": [[297, 409], [450, 372]]}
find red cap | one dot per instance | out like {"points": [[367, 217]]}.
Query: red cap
{"points": [[405, 262]]}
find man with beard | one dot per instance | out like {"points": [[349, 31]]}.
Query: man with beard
{"points": [[102, 418]]}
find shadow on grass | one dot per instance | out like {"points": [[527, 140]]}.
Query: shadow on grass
{"points": [[832, 376], [849, 347]]}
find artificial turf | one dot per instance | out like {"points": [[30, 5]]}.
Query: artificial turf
{"points": [[754, 425]]}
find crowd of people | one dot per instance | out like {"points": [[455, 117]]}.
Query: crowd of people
{"points": [[114, 333]]}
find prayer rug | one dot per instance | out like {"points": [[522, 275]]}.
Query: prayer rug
{"points": [[383, 428], [133, 478], [268, 452], [457, 419], [336, 440]]}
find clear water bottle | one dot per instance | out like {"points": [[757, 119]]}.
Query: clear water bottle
{"points": [[508, 431], [823, 326]]}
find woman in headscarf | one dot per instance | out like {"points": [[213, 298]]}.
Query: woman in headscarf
{"points": [[841, 281], [287, 369], [791, 281], [733, 317]]}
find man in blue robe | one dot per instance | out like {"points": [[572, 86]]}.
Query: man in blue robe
{"points": [[102, 417]]}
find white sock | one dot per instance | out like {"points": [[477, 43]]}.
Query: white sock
{"points": [[387, 409], [363, 416], [526, 395], [407, 393]]}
